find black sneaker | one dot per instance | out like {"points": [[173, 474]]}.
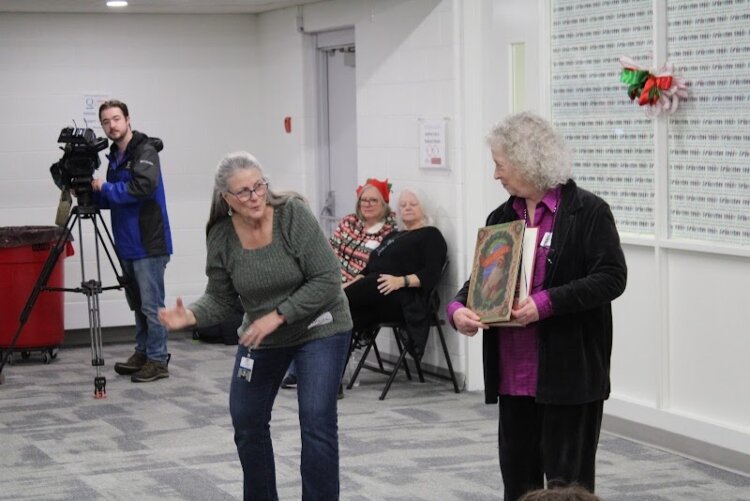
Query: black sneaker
{"points": [[289, 382], [341, 392], [151, 371], [132, 365]]}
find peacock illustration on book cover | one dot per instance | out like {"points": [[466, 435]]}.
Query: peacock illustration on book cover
{"points": [[494, 274]]}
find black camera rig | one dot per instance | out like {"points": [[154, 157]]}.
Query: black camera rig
{"points": [[75, 170]]}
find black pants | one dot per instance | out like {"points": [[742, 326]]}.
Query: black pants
{"points": [[538, 440], [369, 307]]}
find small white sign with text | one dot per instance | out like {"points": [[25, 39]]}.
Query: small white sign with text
{"points": [[432, 149]]}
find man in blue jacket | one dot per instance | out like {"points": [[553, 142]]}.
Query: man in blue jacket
{"points": [[134, 194]]}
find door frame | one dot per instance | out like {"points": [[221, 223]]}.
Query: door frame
{"points": [[324, 42]]}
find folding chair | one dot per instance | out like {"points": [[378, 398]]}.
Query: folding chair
{"points": [[366, 339]]}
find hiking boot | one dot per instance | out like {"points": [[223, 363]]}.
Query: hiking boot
{"points": [[151, 371], [132, 365]]}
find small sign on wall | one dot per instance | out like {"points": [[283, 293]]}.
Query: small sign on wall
{"points": [[432, 150], [91, 103]]}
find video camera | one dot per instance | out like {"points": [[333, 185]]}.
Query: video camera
{"points": [[75, 170]]}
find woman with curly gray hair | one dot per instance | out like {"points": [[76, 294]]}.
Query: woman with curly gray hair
{"points": [[551, 375]]}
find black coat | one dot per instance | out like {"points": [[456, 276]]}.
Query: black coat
{"points": [[585, 271]]}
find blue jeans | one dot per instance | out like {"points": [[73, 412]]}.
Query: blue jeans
{"points": [[291, 371], [148, 275], [319, 365]]}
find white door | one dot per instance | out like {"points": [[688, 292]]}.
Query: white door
{"points": [[338, 126]]}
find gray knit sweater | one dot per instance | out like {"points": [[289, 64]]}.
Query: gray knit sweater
{"points": [[297, 273]]}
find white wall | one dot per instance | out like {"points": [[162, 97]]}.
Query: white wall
{"points": [[286, 76], [191, 80], [679, 360]]}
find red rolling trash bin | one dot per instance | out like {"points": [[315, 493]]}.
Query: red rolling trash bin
{"points": [[23, 252]]}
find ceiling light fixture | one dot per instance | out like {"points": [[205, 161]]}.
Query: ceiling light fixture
{"points": [[117, 3]]}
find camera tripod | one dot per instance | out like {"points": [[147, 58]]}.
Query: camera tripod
{"points": [[90, 288]]}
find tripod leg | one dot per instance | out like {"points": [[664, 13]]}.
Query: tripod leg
{"points": [[93, 288], [100, 387], [132, 294], [41, 283]]}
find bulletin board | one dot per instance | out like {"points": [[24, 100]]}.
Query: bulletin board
{"points": [[707, 138]]}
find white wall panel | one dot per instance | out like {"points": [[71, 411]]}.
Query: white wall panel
{"points": [[191, 80], [636, 343], [708, 332]]}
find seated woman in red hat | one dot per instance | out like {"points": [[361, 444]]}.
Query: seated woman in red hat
{"points": [[359, 233]]}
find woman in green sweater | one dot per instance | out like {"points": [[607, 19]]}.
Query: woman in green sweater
{"points": [[269, 249]]}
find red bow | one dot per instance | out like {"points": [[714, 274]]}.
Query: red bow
{"points": [[652, 89]]}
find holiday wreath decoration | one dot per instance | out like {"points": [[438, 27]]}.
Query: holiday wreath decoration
{"points": [[658, 91]]}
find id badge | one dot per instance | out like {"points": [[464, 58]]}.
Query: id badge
{"points": [[246, 368], [546, 240]]}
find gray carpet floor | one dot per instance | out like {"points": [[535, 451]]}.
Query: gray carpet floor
{"points": [[172, 439]]}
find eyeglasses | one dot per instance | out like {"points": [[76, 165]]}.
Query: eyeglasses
{"points": [[369, 201], [246, 194]]}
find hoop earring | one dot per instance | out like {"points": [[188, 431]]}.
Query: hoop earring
{"points": [[229, 212]]}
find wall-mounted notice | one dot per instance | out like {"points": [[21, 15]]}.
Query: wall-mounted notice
{"points": [[91, 103], [611, 139], [709, 142], [432, 150]]}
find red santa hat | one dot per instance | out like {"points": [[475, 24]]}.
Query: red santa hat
{"points": [[384, 187]]}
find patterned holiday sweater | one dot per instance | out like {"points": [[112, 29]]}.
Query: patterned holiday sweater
{"points": [[353, 245]]}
